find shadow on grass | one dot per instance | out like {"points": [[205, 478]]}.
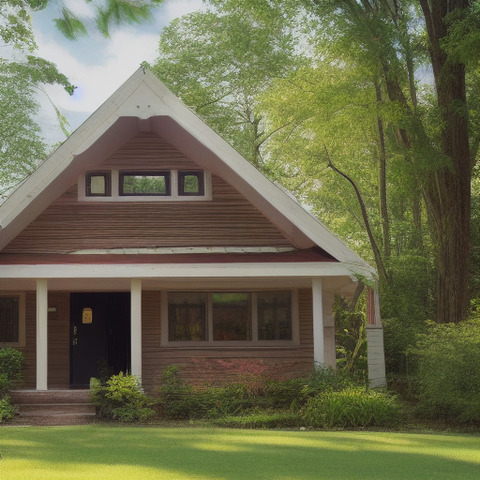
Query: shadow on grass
{"points": [[200, 453]]}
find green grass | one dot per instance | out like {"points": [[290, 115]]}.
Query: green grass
{"points": [[110, 452]]}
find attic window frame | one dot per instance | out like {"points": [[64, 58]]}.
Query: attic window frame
{"points": [[106, 174], [176, 193]]}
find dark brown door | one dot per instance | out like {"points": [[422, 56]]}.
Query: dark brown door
{"points": [[99, 336]]}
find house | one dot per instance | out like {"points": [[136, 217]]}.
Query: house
{"points": [[146, 240]]}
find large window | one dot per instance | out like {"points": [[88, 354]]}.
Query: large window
{"points": [[145, 183], [228, 317], [12, 312]]}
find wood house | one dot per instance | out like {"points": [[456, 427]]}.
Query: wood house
{"points": [[146, 240]]}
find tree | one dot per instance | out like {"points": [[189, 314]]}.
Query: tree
{"points": [[218, 63], [22, 147]]}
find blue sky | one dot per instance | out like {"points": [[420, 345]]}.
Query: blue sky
{"points": [[97, 66]]}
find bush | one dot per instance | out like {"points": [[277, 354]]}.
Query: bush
{"points": [[262, 420], [121, 398], [7, 411], [448, 372], [352, 408], [179, 400], [11, 364]]}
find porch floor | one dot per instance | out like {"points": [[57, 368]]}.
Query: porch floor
{"points": [[53, 407]]}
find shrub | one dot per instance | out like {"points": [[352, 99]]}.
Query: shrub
{"points": [[179, 400], [121, 398], [352, 407], [285, 393], [448, 365], [11, 364], [7, 411], [262, 420]]}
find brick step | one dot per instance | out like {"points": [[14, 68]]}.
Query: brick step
{"points": [[53, 407], [50, 396], [39, 409]]}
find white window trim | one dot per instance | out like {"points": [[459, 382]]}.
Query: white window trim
{"points": [[173, 197], [210, 342], [21, 320]]}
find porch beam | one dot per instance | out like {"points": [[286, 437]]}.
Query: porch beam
{"points": [[136, 327], [318, 334], [42, 335]]}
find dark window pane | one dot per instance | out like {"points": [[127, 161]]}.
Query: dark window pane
{"points": [[231, 316], [148, 183], [274, 316], [187, 317], [9, 319], [190, 183]]}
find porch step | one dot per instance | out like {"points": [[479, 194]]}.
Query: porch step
{"points": [[53, 407]]}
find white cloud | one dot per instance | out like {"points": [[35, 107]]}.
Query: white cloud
{"points": [[177, 8]]}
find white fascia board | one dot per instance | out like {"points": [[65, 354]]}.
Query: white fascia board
{"points": [[192, 270]]}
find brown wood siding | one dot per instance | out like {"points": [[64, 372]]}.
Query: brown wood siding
{"points": [[220, 364], [228, 220], [59, 340]]}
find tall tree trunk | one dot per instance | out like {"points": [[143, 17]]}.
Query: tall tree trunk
{"points": [[382, 180], [448, 191]]}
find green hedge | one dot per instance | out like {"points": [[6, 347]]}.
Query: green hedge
{"points": [[448, 359], [352, 408]]}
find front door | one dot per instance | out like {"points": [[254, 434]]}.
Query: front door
{"points": [[99, 336]]}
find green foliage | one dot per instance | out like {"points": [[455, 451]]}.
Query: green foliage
{"points": [[352, 408], [7, 410], [448, 359], [121, 398], [180, 400], [11, 366], [262, 420]]}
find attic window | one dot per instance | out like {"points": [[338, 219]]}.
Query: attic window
{"points": [[145, 183], [98, 184], [190, 183]]}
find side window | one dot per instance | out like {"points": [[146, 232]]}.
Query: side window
{"points": [[145, 183], [98, 184], [187, 317], [12, 319], [191, 183], [274, 316]]}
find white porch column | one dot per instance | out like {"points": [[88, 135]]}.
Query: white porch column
{"points": [[136, 327], [318, 337], [42, 334]]}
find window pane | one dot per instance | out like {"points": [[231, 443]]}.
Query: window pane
{"points": [[274, 316], [98, 184], [190, 183], [9, 319], [187, 317], [231, 316], [145, 183]]}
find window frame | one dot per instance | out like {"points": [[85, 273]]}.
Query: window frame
{"points": [[210, 340], [21, 319], [108, 183], [174, 195], [146, 173], [182, 174]]}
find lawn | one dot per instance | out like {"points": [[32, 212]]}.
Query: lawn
{"points": [[104, 452]]}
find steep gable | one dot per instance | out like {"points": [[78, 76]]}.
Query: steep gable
{"points": [[143, 105]]}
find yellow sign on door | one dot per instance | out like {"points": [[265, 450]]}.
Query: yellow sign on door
{"points": [[87, 316]]}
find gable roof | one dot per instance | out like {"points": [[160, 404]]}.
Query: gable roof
{"points": [[143, 103]]}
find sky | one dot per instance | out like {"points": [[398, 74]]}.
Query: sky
{"points": [[95, 65]]}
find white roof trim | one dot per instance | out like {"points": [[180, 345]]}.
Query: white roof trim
{"points": [[174, 270], [143, 96]]}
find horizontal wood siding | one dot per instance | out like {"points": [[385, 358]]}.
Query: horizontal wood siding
{"points": [[59, 340], [228, 220], [220, 364]]}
